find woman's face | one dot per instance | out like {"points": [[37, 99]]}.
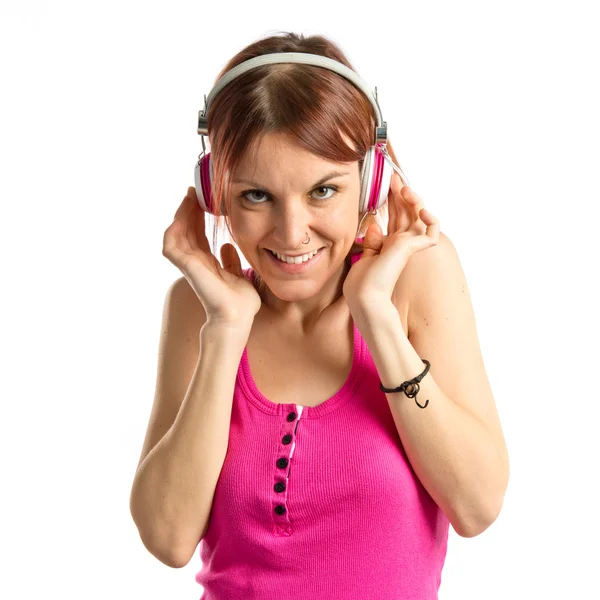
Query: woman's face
{"points": [[281, 192]]}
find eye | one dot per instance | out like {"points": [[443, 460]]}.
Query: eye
{"points": [[326, 187], [246, 193]]}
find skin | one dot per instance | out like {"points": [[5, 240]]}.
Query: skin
{"points": [[282, 212]]}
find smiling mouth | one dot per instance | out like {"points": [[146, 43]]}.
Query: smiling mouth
{"points": [[296, 266], [294, 255], [312, 253]]}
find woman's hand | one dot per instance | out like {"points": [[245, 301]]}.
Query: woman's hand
{"points": [[411, 228], [226, 295]]}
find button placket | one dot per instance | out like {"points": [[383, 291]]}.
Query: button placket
{"points": [[280, 487]]}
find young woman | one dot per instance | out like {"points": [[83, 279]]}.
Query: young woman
{"points": [[322, 417]]}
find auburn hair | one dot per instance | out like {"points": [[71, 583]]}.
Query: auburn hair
{"points": [[311, 104]]}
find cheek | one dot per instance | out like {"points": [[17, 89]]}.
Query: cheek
{"points": [[242, 226], [341, 225]]}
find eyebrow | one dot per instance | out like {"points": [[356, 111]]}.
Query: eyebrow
{"points": [[318, 183]]}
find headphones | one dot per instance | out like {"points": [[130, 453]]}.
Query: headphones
{"points": [[377, 169]]}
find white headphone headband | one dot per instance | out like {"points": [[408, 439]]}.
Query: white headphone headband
{"points": [[295, 57]]}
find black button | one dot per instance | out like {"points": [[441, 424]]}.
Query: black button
{"points": [[279, 486], [291, 416], [282, 463], [279, 509], [287, 439]]}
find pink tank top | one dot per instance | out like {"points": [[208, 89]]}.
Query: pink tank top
{"points": [[320, 502]]}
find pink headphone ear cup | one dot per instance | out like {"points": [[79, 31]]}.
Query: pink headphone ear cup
{"points": [[376, 178], [386, 181], [203, 174], [366, 177]]}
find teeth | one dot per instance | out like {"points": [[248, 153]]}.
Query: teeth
{"points": [[294, 260]]}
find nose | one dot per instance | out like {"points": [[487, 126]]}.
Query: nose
{"points": [[291, 242], [292, 231]]}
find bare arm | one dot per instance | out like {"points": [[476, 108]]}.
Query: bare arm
{"points": [[174, 486]]}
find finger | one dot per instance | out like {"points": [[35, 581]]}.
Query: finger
{"points": [[392, 208], [422, 242], [412, 199], [194, 222], [433, 225], [414, 205], [404, 215], [179, 226], [373, 240], [184, 206], [230, 259], [199, 218], [189, 218]]}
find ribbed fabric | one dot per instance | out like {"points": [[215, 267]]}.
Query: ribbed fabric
{"points": [[320, 503]]}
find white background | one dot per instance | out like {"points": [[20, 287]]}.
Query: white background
{"points": [[492, 108]]}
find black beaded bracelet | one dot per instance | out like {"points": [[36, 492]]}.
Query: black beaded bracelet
{"points": [[411, 387]]}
